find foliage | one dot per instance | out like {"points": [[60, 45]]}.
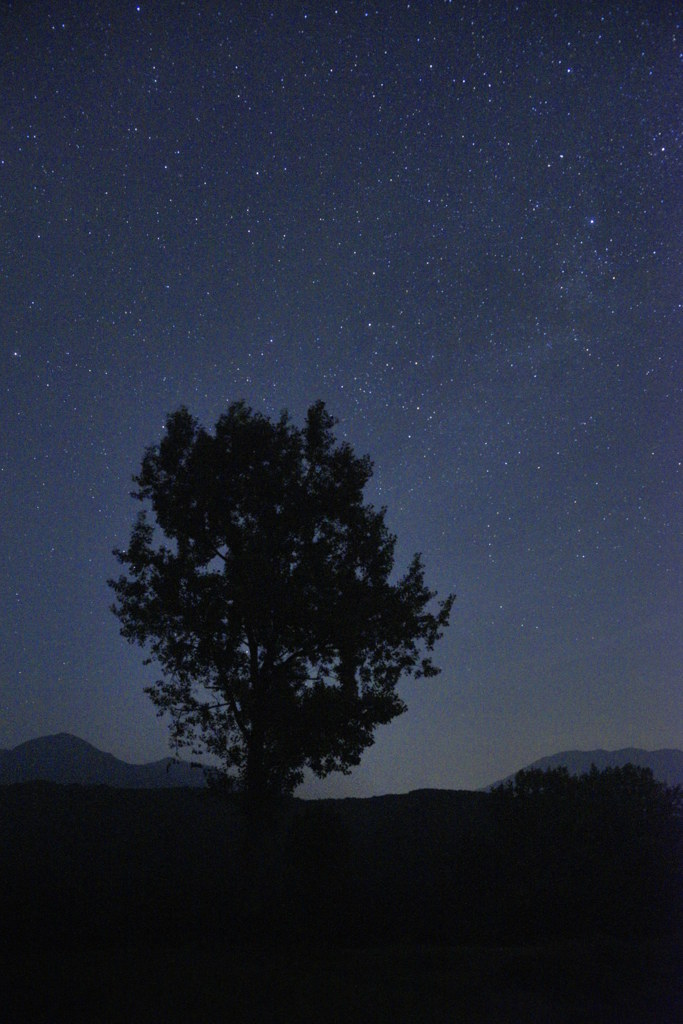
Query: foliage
{"points": [[602, 850], [261, 584]]}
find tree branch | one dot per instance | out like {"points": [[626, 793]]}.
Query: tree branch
{"points": [[236, 711]]}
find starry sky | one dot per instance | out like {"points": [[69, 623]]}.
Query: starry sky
{"points": [[459, 225]]}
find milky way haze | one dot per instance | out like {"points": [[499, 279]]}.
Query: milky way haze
{"points": [[459, 225]]}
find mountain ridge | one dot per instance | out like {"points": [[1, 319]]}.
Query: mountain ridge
{"points": [[666, 763], [67, 759]]}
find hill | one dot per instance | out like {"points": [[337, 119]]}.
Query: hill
{"points": [[66, 759], [125, 905], [666, 765]]}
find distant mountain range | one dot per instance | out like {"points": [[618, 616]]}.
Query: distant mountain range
{"points": [[67, 759], [666, 765]]}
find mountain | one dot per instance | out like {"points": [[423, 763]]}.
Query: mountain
{"points": [[67, 759], [666, 765]]}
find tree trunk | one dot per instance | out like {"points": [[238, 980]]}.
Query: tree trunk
{"points": [[255, 777], [261, 866]]}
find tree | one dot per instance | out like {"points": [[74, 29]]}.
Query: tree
{"points": [[262, 587], [598, 851]]}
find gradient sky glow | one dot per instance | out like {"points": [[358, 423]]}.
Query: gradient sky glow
{"points": [[458, 224]]}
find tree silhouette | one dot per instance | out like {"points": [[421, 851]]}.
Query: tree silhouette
{"points": [[601, 851], [261, 586]]}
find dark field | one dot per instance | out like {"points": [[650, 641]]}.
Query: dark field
{"points": [[598, 983], [148, 906]]}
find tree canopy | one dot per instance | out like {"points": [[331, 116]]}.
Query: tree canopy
{"points": [[261, 582], [597, 851]]}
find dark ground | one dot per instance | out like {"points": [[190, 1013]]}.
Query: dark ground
{"points": [[131, 906], [603, 983]]}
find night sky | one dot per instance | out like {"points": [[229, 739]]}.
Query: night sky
{"points": [[459, 225]]}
